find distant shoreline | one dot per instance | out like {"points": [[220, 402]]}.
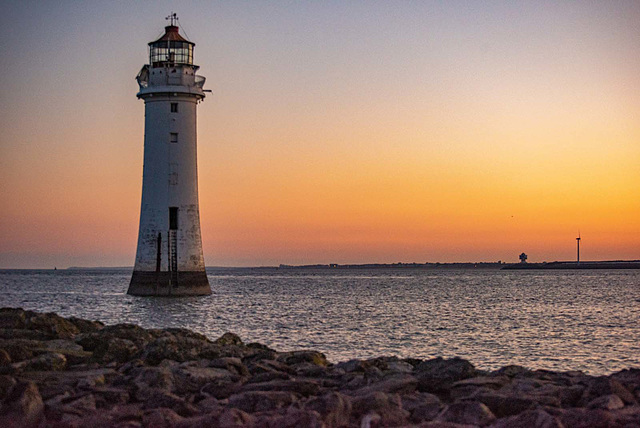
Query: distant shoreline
{"points": [[585, 265]]}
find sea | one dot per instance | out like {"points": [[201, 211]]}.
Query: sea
{"points": [[587, 320]]}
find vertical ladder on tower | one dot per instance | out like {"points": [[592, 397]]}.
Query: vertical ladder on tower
{"points": [[173, 256]]}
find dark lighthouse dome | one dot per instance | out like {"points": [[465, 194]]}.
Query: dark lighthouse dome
{"points": [[171, 49]]}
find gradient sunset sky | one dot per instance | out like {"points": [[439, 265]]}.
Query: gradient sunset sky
{"points": [[336, 132]]}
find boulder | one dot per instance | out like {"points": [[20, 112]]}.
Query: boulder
{"points": [[467, 412], [53, 325], [13, 318], [388, 407], [333, 407], [5, 358], [301, 387], [603, 385], [161, 418], [512, 371], [298, 357], [6, 384], [233, 418], [503, 406], [86, 326], [260, 401], [439, 374], [50, 361], [584, 417], [228, 339], [292, 418], [230, 364], [191, 377], [23, 333], [537, 418], [153, 377], [23, 407], [154, 398], [606, 402], [401, 384]]}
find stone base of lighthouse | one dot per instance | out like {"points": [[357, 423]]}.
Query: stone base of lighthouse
{"points": [[169, 284]]}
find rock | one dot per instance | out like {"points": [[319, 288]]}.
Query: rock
{"points": [[209, 405], [160, 418], [189, 377], [334, 408], [604, 385], [50, 361], [259, 401], [13, 318], [310, 370], [579, 418], [53, 325], [630, 379], [20, 349], [439, 374], [297, 357], [221, 389], [537, 418], [426, 412], [5, 358], [119, 350], [606, 402], [401, 384], [291, 419], [512, 371], [490, 382], [86, 326], [230, 364], [371, 420], [351, 366], [153, 377], [154, 398], [228, 339], [400, 367], [387, 406], [73, 352], [6, 384], [467, 412], [23, 406], [301, 387], [234, 418], [81, 406], [503, 406], [107, 397], [570, 396], [271, 366], [178, 349], [11, 333]]}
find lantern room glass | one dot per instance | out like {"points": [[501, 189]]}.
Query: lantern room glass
{"points": [[172, 52]]}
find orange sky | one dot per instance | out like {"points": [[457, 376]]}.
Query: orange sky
{"points": [[335, 132]]}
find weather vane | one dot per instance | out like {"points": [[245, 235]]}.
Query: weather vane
{"points": [[173, 18]]}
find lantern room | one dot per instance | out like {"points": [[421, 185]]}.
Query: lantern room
{"points": [[171, 49]]}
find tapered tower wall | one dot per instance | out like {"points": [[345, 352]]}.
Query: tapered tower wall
{"points": [[169, 256]]}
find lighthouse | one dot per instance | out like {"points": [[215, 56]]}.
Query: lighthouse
{"points": [[169, 258]]}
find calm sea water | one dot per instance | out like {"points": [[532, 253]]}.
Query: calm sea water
{"points": [[559, 320]]}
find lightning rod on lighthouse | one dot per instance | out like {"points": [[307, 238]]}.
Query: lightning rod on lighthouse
{"points": [[169, 258]]}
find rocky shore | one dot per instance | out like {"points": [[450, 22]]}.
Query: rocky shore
{"points": [[70, 372]]}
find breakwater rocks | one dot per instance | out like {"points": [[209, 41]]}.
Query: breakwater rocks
{"points": [[70, 372]]}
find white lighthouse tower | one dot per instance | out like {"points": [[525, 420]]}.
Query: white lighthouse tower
{"points": [[169, 259]]}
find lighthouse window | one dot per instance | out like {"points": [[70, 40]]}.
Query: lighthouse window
{"points": [[174, 137], [174, 107]]}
